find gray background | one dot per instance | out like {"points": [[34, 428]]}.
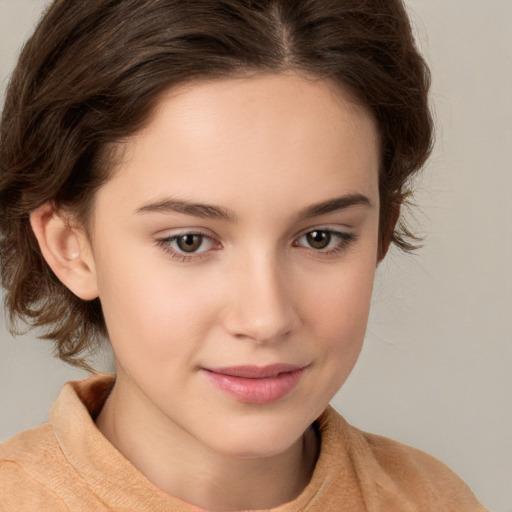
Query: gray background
{"points": [[436, 368]]}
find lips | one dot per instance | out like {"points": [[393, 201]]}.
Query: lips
{"points": [[256, 384]]}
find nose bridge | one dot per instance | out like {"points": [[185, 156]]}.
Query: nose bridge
{"points": [[261, 305]]}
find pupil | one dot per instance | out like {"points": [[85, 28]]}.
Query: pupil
{"points": [[189, 243], [319, 239]]}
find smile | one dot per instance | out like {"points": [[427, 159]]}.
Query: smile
{"points": [[254, 384]]}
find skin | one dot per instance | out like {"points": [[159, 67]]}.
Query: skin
{"points": [[256, 291]]}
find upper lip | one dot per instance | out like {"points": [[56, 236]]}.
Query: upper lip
{"points": [[257, 372]]}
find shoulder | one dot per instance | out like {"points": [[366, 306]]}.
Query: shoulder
{"points": [[44, 468], [25, 463], [28, 448], [392, 472]]}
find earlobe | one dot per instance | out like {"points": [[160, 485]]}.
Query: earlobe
{"points": [[66, 250]]}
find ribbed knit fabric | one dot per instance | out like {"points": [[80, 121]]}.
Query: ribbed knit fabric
{"points": [[67, 465]]}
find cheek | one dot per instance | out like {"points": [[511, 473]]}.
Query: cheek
{"points": [[339, 302], [153, 312], [341, 322], [339, 310]]}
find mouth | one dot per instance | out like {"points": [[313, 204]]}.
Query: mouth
{"points": [[256, 384]]}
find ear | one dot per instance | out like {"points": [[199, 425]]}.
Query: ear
{"points": [[67, 251], [387, 228]]}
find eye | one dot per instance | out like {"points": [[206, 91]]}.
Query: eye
{"points": [[186, 244], [190, 242], [318, 239], [325, 240]]}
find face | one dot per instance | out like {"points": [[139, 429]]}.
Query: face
{"points": [[234, 253]]}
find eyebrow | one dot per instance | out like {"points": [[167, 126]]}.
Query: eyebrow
{"points": [[203, 211], [334, 205], [208, 211]]}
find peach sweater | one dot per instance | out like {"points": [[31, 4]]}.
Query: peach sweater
{"points": [[67, 465]]}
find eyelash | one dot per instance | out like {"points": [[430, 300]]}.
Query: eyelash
{"points": [[345, 240]]}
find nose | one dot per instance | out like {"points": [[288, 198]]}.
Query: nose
{"points": [[261, 305]]}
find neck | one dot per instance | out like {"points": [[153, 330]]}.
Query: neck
{"points": [[186, 469]]}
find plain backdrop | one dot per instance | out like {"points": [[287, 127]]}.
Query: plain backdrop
{"points": [[436, 369]]}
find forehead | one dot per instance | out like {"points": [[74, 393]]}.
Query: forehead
{"points": [[258, 135], [243, 105]]}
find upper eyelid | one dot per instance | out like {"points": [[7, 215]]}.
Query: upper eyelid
{"points": [[177, 232]]}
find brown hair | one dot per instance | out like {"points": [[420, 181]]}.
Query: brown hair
{"points": [[93, 70]]}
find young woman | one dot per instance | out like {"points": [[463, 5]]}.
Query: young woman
{"points": [[210, 186]]}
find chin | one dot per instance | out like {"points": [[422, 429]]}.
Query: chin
{"points": [[258, 437]]}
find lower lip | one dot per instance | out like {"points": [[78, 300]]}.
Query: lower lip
{"points": [[256, 391]]}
